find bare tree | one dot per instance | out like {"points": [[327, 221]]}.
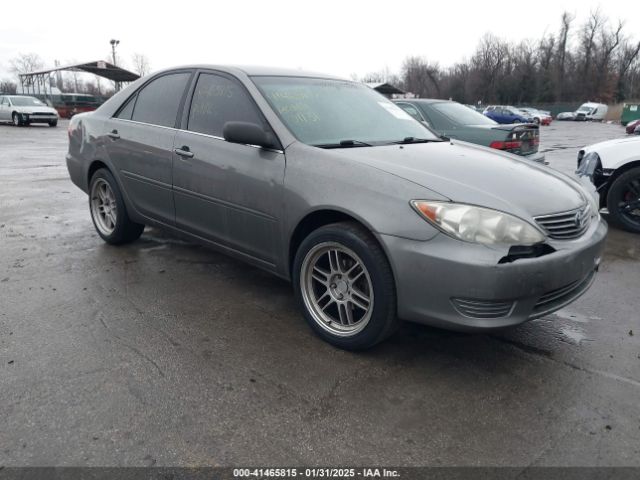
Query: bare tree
{"points": [[8, 87], [140, 64], [563, 37], [421, 77], [25, 63]]}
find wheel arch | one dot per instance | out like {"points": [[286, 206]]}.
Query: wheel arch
{"points": [[94, 166], [614, 176], [319, 218]]}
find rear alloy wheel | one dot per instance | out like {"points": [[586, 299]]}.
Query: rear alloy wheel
{"points": [[17, 119], [108, 211], [345, 286], [623, 200]]}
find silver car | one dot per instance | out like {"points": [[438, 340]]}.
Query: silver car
{"points": [[23, 110], [326, 183]]}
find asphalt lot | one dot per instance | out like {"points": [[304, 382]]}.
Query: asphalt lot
{"points": [[167, 353]]}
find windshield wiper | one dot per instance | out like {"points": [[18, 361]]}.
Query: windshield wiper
{"points": [[344, 144], [407, 140]]}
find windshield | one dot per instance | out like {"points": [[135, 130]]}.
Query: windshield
{"points": [[514, 110], [585, 109], [462, 114], [325, 112], [26, 102]]}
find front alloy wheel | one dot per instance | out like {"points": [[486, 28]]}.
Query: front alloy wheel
{"points": [[345, 287], [336, 289]]}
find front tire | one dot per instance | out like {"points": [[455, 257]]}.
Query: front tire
{"points": [[623, 200], [53, 123], [16, 119], [108, 211], [345, 287]]}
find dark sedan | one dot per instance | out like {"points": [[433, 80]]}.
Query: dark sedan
{"points": [[454, 120]]}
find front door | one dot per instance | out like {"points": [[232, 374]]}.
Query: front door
{"points": [[227, 192], [5, 109]]}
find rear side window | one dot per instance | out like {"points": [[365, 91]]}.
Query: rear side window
{"points": [[158, 101], [128, 109], [217, 100], [411, 110]]}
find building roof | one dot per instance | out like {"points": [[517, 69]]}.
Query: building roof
{"points": [[385, 88]]}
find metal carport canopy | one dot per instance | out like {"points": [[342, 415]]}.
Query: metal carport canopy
{"points": [[99, 67]]}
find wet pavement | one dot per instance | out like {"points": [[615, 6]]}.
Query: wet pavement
{"points": [[166, 353]]}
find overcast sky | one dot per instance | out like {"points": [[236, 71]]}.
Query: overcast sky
{"points": [[340, 37]]}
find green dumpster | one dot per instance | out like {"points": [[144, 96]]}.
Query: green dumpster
{"points": [[630, 112]]}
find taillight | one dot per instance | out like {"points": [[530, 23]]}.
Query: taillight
{"points": [[510, 145]]}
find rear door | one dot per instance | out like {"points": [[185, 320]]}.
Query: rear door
{"points": [[227, 192], [140, 143]]}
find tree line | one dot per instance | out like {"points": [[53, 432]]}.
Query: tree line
{"points": [[594, 60]]}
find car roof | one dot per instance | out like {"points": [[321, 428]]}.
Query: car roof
{"points": [[256, 70]]}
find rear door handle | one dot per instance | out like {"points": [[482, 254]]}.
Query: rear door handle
{"points": [[113, 134], [183, 152]]}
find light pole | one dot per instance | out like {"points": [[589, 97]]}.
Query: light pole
{"points": [[114, 43]]}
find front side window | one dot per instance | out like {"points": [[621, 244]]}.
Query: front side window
{"points": [[158, 101], [325, 112], [218, 100]]}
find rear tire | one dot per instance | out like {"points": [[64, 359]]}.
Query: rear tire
{"points": [[625, 190], [108, 211], [348, 298]]}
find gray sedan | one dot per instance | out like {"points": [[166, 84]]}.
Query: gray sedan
{"points": [[326, 183]]}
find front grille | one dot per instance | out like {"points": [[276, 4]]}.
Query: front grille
{"points": [[557, 298], [566, 225], [482, 308], [42, 113]]}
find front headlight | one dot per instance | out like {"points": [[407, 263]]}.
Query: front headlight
{"points": [[587, 165], [477, 224]]}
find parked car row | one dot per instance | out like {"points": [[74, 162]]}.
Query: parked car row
{"points": [[373, 216], [587, 112]]}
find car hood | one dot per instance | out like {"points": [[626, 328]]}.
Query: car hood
{"points": [[34, 109], [476, 175]]}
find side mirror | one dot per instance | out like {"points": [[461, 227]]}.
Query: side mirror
{"points": [[248, 134]]}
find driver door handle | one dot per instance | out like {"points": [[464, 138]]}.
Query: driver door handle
{"points": [[113, 134]]}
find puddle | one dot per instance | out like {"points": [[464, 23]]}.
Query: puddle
{"points": [[574, 316], [574, 335]]}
